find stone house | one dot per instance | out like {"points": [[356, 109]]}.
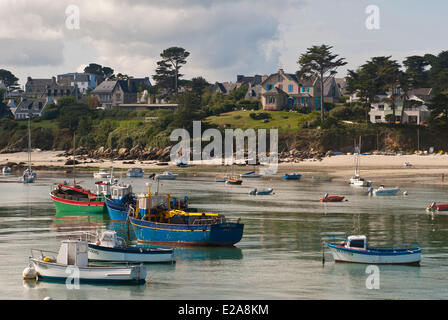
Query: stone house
{"points": [[43, 88], [33, 107], [112, 93]]}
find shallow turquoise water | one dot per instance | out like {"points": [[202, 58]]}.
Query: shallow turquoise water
{"points": [[279, 257]]}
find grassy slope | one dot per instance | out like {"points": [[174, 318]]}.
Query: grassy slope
{"points": [[285, 121]]}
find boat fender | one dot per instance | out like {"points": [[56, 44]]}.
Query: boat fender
{"points": [[29, 273], [98, 242], [47, 259]]}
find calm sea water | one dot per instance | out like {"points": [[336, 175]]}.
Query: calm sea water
{"points": [[279, 257]]}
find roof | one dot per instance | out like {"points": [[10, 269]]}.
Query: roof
{"points": [[106, 86], [276, 91], [31, 105], [420, 92]]}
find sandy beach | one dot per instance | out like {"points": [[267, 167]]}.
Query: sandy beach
{"points": [[425, 169]]}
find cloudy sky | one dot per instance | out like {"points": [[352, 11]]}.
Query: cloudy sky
{"points": [[224, 37]]}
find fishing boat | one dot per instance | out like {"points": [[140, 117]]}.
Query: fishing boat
{"points": [[166, 176], [437, 207], [135, 173], [76, 198], [260, 192], [357, 180], [110, 247], [28, 175], [6, 170], [250, 174], [73, 255], [292, 176], [235, 180], [102, 174], [382, 191], [117, 203], [154, 221], [355, 250], [328, 198]]}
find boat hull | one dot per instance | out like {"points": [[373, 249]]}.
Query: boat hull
{"points": [[135, 175], [54, 271], [65, 205], [386, 192], [117, 212], [100, 253], [332, 199], [223, 234], [292, 176], [161, 177], [438, 207], [360, 183], [375, 256]]}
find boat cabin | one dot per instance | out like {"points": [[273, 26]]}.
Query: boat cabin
{"points": [[73, 253], [102, 188], [120, 191], [110, 239], [356, 242]]}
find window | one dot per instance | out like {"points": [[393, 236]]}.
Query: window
{"points": [[303, 89], [357, 243], [118, 96], [377, 118], [307, 89], [290, 88], [381, 107], [303, 101]]}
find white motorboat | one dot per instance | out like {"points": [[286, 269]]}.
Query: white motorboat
{"points": [[72, 263], [135, 173], [102, 174], [166, 176], [110, 247], [355, 250], [382, 191]]}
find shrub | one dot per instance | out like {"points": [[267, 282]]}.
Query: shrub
{"points": [[260, 115]]}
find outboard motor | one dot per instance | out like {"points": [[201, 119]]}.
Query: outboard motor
{"points": [[370, 191], [325, 196]]}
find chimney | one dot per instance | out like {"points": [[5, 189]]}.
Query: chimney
{"points": [[264, 77]]}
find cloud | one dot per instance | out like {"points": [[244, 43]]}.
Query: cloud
{"points": [[223, 37]]}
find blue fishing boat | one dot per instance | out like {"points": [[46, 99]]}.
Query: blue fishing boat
{"points": [[292, 176], [250, 174], [154, 221], [122, 197]]}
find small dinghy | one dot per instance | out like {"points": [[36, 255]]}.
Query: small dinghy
{"points": [[437, 207], [382, 191], [135, 173], [166, 176], [112, 248], [292, 176], [250, 174], [234, 180], [328, 198], [260, 192], [73, 255], [355, 250]]}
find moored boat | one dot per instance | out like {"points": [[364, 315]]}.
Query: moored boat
{"points": [[112, 248], [357, 180], [72, 262], [292, 176], [259, 192], [28, 175], [6, 170], [102, 174], [77, 199], [234, 180], [250, 174], [328, 198], [221, 178], [355, 250], [382, 191], [166, 176], [154, 221], [135, 173], [437, 207]]}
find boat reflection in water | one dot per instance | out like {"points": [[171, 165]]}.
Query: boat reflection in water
{"points": [[70, 221], [205, 253]]}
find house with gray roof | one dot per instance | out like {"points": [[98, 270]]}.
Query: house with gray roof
{"points": [[30, 107], [112, 93], [43, 88]]}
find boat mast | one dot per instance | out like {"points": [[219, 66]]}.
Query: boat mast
{"points": [[29, 142], [74, 161]]}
